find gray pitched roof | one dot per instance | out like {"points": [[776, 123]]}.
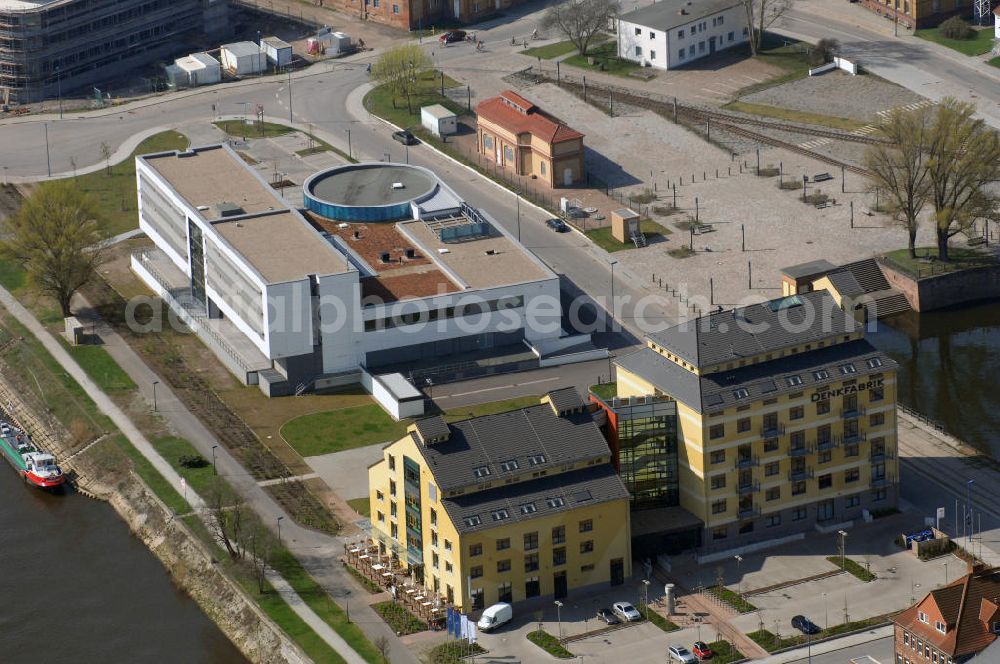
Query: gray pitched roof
{"points": [[728, 336], [811, 269], [666, 14], [565, 399], [845, 283], [763, 380], [431, 428], [546, 495], [533, 438]]}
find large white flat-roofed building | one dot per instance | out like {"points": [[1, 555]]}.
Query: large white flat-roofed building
{"points": [[673, 33], [385, 266]]}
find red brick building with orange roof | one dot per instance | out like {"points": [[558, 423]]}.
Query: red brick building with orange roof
{"points": [[527, 141], [952, 624]]}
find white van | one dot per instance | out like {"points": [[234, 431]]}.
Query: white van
{"points": [[496, 615]]}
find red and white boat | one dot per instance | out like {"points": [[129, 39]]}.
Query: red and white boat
{"points": [[35, 466]]}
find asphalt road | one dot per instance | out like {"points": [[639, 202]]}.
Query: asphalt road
{"points": [[873, 652]]}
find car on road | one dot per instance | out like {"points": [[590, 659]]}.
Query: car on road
{"points": [[805, 625], [404, 137], [701, 650], [452, 36], [626, 611], [608, 616], [558, 225], [681, 654]]}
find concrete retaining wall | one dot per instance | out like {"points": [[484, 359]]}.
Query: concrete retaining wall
{"points": [[945, 290]]}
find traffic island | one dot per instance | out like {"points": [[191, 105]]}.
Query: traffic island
{"points": [[549, 644]]}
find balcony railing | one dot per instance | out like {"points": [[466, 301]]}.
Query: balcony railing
{"points": [[796, 475], [747, 462], [827, 444], [855, 437], [850, 413], [745, 512], [751, 487], [879, 482], [802, 450], [876, 457], [772, 430]]}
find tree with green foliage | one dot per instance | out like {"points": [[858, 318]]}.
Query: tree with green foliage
{"points": [[898, 167], [57, 237], [399, 69], [580, 21], [963, 159]]}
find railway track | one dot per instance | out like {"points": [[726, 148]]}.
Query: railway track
{"points": [[726, 122]]}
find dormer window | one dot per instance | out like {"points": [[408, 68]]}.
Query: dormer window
{"points": [[822, 374], [741, 393], [555, 502], [874, 363], [847, 369], [793, 381], [500, 515], [508, 466], [536, 460], [922, 617], [528, 508], [996, 628], [940, 626], [473, 521], [481, 472]]}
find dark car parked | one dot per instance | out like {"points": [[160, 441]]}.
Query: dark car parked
{"points": [[805, 625], [608, 616], [452, 36], [558, 225], [404, 137]]}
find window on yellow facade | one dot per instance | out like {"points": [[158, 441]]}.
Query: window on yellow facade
{"points": [[718, 482], [559, 534], [798, 488], [823, 407], [530, 541], [503, 566], [379, 495], [434, 560], [508, 153], [393, 531], [773, 493], [487, 142], [825, 481], [447, 566], [876, 419], [476, 572], [852, 475], [392, 509], [796, 412], [771, 444], [587, 546], [743, 424], [447, 545], [772, 469], [380, 516], [434, 517], [434, 538], [718, 456], [717, 431], [503, 544], [586, 525], [587, 568], [825, 456], [719, 507], [720, 533], [559, 556], [851, 450], [542, 167], [531, 562], [475, 550]]}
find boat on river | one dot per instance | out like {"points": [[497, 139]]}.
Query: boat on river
{"points": [[35, 466]]}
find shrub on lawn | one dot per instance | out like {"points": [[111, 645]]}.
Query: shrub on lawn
{"points": [[736, 601], [657, 619], [192, 461], [454, 652], [826, 50], [644, 197], [398, 618], [956, 28]]}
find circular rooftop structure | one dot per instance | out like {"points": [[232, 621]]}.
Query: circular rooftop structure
{"points": [[368, 192]]}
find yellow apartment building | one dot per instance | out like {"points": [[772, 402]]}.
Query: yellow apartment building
{"points": [[507, 507], [786, 417], [525, 140]]}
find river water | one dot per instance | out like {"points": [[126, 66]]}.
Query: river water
{"points": [[76, 586], [949, 368]]}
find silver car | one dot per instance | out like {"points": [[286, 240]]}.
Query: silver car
{"points": [[626, 611], [681, 654]]}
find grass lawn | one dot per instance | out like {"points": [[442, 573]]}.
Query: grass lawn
{"points": [[381, 102], [115, 193], [724, 652], [995, 62], [13, 277], [100, 367], [549, 644], [734, 600], [787, 57], [770, 643], [854, 568], [348, 428], [846, 124], [658, 620], [399, 619], [959, 259], [605, 55], [550, 51], [981, 43], [239, 129], [605, 390], [603, 239], [361, 505]]}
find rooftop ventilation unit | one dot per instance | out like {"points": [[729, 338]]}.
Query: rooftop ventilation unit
{"points": [[343, 225], [398, 185], [227, 209], [186, 153], [490, 252]]}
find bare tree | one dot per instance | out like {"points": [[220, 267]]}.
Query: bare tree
{"points": [[580, 21], [761, 15], [225, 507], [963, 159], [383, 646], [57, 237], [899, 167], [106, 156]]}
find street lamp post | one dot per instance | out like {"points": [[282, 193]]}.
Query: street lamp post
{"points": [[155, 383], [826, 613], [517, 196], [645, 597], [215, 469], [559, 617], [739, 580], [279, 529], [843, 548]]}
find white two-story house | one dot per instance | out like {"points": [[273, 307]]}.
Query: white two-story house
{"points": [[672, 33]]}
